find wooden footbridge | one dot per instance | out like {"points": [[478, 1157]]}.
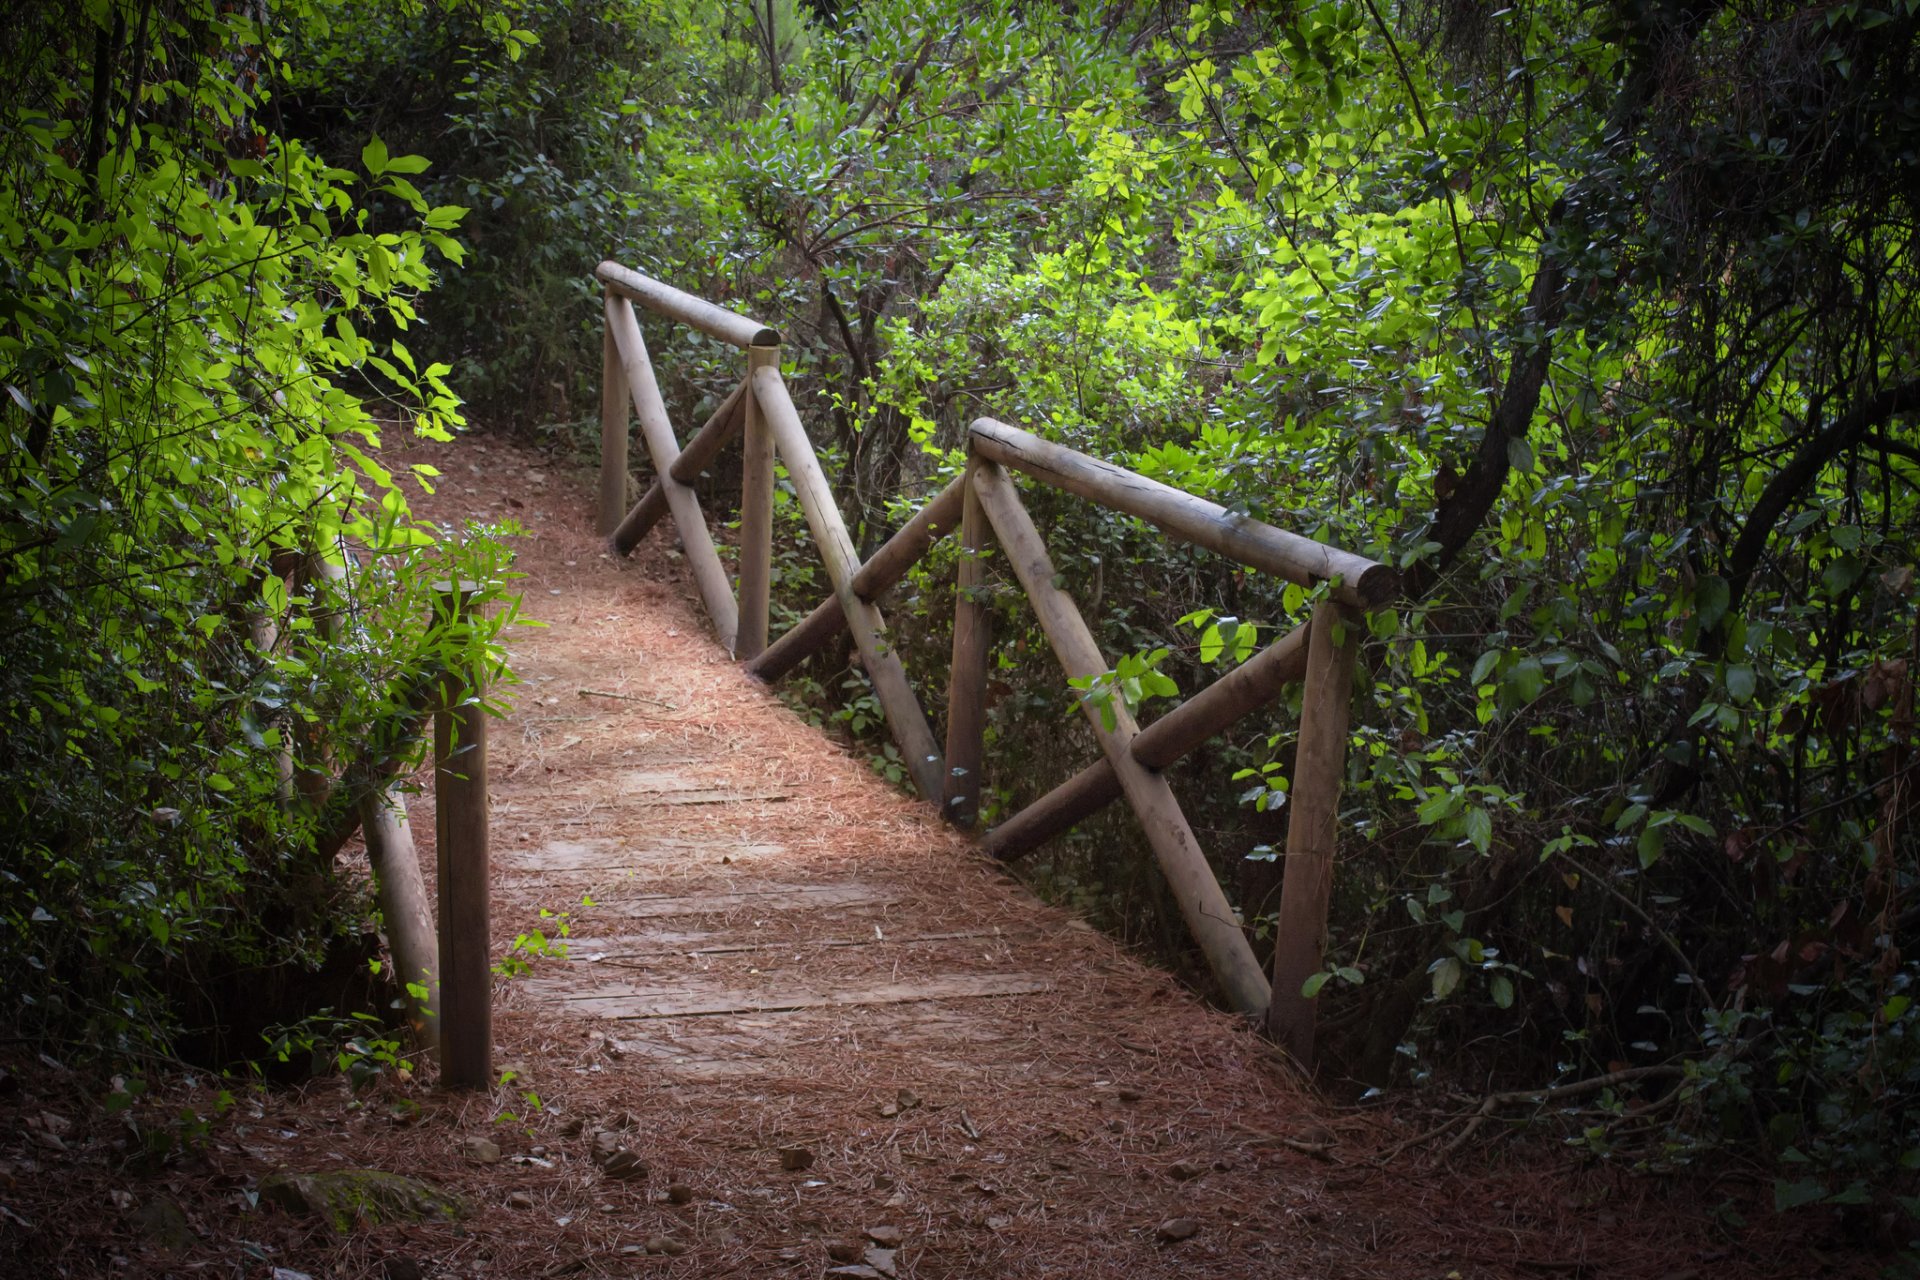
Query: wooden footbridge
{"points": [[983, 507], [803, 1025]]}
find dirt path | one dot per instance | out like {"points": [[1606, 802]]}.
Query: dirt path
{"points": [[818, 1034]]}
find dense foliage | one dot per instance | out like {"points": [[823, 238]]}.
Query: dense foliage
{"points": [[213, 599], [1595, 318]]}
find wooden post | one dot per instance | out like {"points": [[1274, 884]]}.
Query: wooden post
{"points": [[709, 575], [613, 432], [1204, 906], [402, 894], [1319, 766], [460, 831], [756, 515], [1247, 688], [905, 719], [967, 679]]}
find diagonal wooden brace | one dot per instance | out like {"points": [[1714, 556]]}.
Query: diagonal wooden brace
{"points": [[905, 719], [884, 568], [708, 573], [1209, 917], [1242, 691], [719, 431]]}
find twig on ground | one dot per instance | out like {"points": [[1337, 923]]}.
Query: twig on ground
{"points": [[626, 697], [1494, 1101]]}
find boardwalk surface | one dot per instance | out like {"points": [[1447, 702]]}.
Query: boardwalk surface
{"points": [[773, 950]]}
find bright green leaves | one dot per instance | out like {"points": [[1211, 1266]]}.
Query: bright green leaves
{"points": [[1222, 635], [1131, 683]]}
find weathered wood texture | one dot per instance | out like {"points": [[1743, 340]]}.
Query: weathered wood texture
{"points": [[884, 568], [1242, 691], [1300, 939], [404, 909], [1060, 810], [720, 428], [642, 1002], [1205, 908], [967, 672], [1207, 524], [670, 302], [613, 433], [905, 719], [756, 514], [704, 562], [461, 842]]}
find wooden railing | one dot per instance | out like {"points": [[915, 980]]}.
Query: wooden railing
{"points": [[983, 505]]}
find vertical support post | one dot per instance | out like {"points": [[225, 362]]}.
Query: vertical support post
{"points": [[613, 434], [460, 830], [756, 515], [967, 681], [1300, 941]]}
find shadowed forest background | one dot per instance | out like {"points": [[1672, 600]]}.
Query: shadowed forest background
{"points": [[1598, 320]]}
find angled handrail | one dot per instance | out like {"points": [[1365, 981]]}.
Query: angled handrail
{"points": [[983, 505]]}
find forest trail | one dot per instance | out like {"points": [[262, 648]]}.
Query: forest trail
{"points": [[777, 959]]}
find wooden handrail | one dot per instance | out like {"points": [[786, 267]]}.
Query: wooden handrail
{"points": [[984, 505], [1254, 543], [664, 299]]}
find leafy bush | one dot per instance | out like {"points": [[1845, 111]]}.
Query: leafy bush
{"points": [[193, 646]]}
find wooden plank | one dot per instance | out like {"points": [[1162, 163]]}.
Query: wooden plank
{"points": [[756, 515], [720, 428], [905, 719], [1300, 938], [613, 434], [668, 301], [1208, 524], [786, 897], [1205, 908], [561, 856], [708, 573], [637, 1001], [967, 672], [611, 951]]}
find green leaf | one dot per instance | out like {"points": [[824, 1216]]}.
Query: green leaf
{"points": [[1501, 987], [1480, 828], [373, 156], [1652, 843], [1446, 973], [1740, 682], [1793, 1195], [1311, 987]]}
